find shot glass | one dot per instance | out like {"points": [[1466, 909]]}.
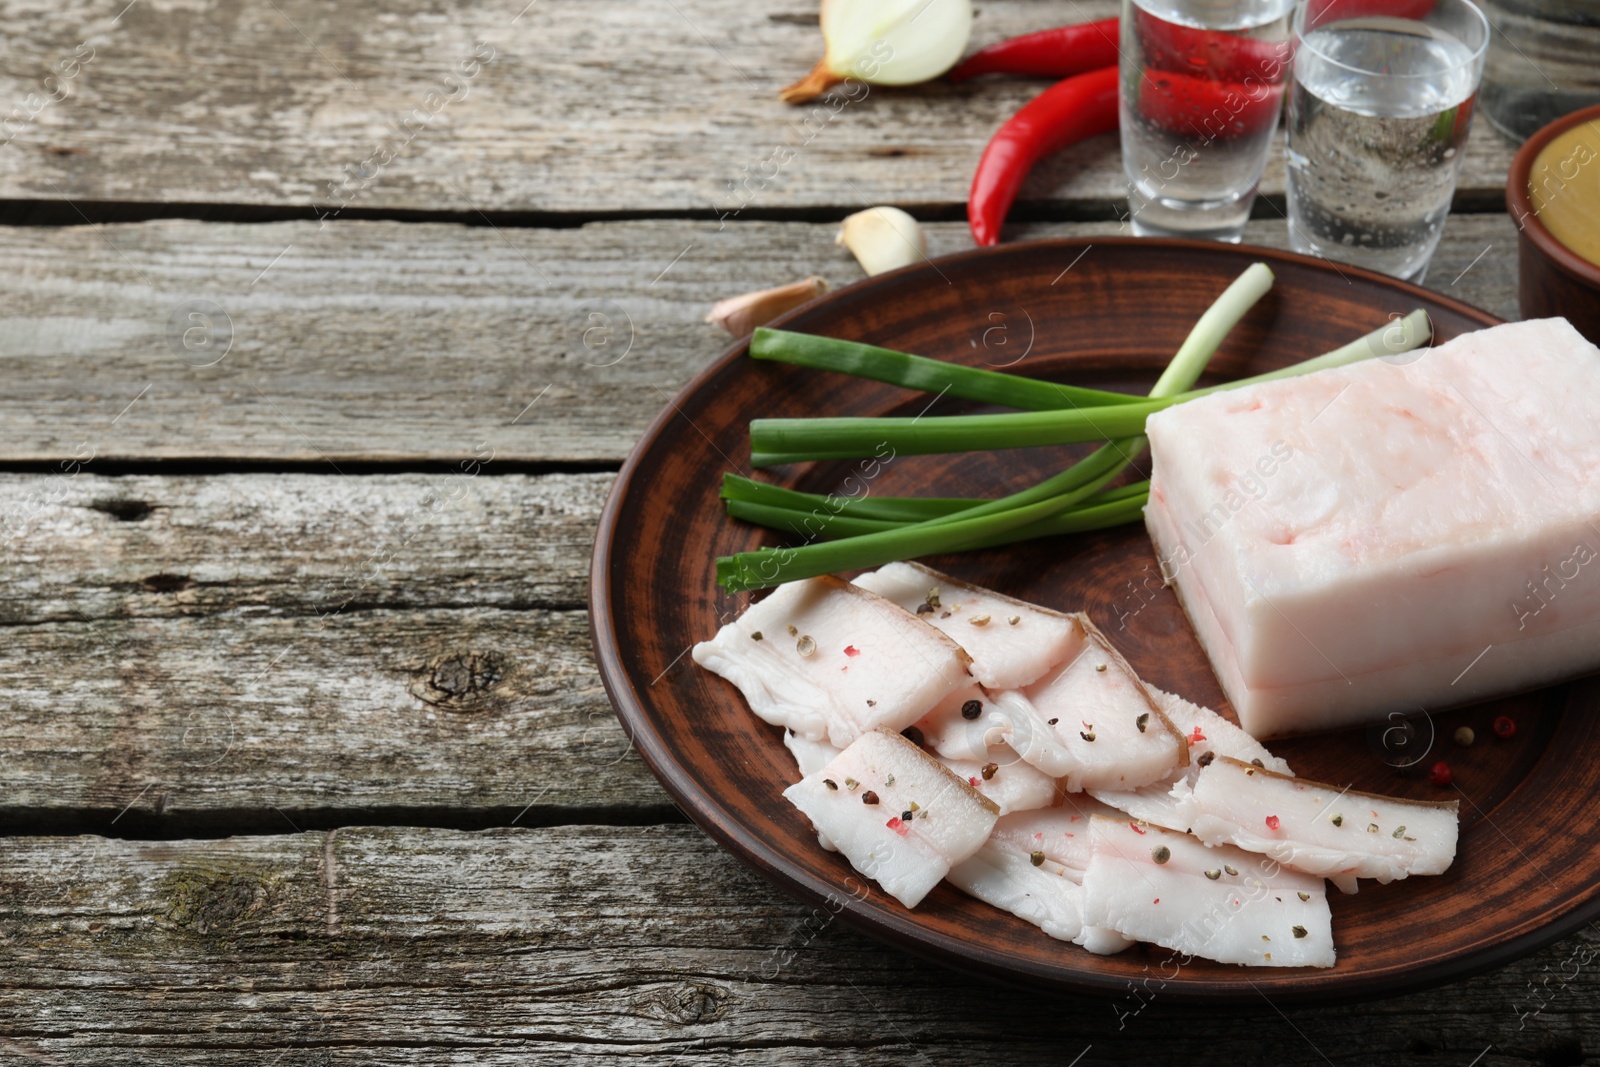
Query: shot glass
{"points": [[1379, 114], [1202, 84]]}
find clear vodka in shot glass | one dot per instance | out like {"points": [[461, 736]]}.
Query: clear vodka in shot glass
{"points": [[1202, 84], [1379, 114]]}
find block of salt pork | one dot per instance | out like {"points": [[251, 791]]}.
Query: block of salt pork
{"points": [[1389, 535], [1011, 642], [895, 813], [830, 660], [1317, 828], [965, 734], [1223, 904], [1090, 721], [1032, 866], [1208, 735]]}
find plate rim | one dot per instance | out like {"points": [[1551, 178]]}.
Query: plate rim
{"points": [[902, 931]]}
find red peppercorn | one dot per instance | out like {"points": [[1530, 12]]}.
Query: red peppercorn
{"points": [[1504, 727], [1272, 822], [1441, 774]]}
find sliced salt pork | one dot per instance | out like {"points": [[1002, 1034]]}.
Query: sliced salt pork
{"points": [[1222, 904], [1391, 534], [967, 724], [830, 660], [966, 734], [1011, 641], [1091, 721], [1321, 829], [809, 756], [1060, 835], [1013, 785], [895, 813], [1208, 735], [1032, 866]]}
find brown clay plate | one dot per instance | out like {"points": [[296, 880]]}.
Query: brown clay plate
{"points": [[1109, 316]]}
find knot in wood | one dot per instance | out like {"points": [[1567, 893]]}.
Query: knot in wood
{"points": [[691, 1003], [457, 681], [211, 904]]}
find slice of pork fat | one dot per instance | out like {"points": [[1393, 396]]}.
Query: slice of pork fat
{"points": [[1318, 828], [1091, 721], [830, 660], [895, 813], [967, 724], [965, 733], [1221, 903], [1012, 785], [1209, 735], [809, 756], [1061, 834], [1032, 866], [1011, 641]]}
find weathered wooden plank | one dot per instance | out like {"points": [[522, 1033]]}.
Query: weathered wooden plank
{"points": [[393, 341], [575, 944], [552, 107], [246, 721], [261, 651], [85, 548]]}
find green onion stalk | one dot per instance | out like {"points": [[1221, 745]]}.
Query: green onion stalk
{"points": [[1096, 513], [997, 521]]}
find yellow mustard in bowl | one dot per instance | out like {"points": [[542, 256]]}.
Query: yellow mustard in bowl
{"points": [[1564, 186]]}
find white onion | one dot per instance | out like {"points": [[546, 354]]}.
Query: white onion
{"points": [[885, 42]]}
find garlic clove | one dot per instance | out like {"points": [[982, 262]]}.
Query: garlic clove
{"points": [[741, 314], [885, 42], [883, 238]]}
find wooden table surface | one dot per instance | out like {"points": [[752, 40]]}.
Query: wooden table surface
{"points": [[305, 432]]}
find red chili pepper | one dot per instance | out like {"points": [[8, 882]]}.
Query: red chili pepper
{"points": [[1205, 109], [1063, 114], [1058, 53]]}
